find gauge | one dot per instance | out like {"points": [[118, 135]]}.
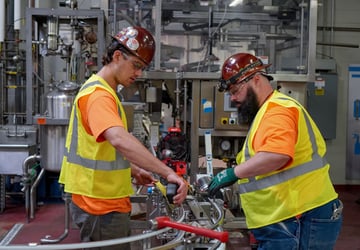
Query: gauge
{"points": [[225, 145]]}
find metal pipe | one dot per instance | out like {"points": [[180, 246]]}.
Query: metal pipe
{"points": [[177, 99], [27, 182], [157, 34], [17, 14], [323, 22], [332, 16], [33, 193], [31, 3], [114, 24], [185, 107], [345, 45], [312, 40], [52, 33], [172, 244], [48, 240], [339, 29], [219, 211], [302, 20], [3, 79], [178, 241], [164, 221], [211, 18], [2, 21], [87, 244]]}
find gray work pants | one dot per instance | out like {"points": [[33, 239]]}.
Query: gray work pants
{"points": [[101, 227]]}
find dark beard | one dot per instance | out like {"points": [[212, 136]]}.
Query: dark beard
{"points": [[248, 109]]}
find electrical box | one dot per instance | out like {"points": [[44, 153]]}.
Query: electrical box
{"points": [[322, 103]]}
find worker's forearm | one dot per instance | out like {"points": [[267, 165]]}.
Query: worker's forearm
{"points": [[261, 163], [135, 152]]}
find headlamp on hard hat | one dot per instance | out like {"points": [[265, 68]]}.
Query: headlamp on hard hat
{"points": [[223, 85]]}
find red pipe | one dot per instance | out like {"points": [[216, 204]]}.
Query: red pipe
{"points": [[164, 221]]}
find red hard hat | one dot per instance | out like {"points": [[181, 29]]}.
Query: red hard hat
{"points": [[138, 41], [240, 67]]}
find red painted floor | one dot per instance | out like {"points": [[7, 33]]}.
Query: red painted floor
{"points": [[49, 221], [349, 238]]}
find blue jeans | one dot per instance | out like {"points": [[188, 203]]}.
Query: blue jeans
{"points": [[318, 228]]}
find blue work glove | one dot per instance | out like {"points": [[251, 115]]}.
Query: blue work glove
{"points": [[225, 178]]}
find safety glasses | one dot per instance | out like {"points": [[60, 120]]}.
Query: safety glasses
{"points": [[237, 87], [137, 65]]}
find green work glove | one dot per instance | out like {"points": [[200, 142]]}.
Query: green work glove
{"points": [[225, 178]]}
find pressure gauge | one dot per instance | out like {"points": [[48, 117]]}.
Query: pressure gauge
{"points": [[225, 145]]}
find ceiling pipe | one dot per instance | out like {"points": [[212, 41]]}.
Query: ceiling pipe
{"points": [[345, 45]]}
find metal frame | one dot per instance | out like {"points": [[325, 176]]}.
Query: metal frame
{"points": [[312, 40], [31, 15]]}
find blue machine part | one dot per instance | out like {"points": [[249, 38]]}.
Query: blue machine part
{"points": [[357, 144], [357, 109]]}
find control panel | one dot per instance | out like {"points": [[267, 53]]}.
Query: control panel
{"points": [[226, 114]]}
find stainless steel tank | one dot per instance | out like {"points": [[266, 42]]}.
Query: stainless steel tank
{"points": [[53, 132], [59, 101], [52, 143]]}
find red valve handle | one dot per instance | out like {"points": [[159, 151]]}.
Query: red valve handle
{"points": [[164, 221]]}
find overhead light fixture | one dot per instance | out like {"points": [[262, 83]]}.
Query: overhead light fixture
{"points": [[235, 3]]}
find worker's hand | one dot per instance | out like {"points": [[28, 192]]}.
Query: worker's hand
{"points": [[225, 178], [182, 189], [141, 176]]}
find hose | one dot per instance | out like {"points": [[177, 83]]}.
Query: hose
{"points": [[85, 244]]}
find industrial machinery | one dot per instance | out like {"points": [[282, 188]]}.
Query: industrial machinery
{"points": [[196, 214], [174, 108]]}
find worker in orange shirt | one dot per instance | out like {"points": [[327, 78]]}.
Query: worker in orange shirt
{"points": [[101, 155], [285, 189]]}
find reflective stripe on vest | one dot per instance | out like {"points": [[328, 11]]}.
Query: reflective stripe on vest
{"points": [[73, 157], [317, 162]]}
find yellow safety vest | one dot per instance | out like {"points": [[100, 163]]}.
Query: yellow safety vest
{"points": [[289, 192], [90, 168]]}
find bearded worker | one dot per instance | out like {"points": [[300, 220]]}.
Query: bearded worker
{"points": [[285, 189]]}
